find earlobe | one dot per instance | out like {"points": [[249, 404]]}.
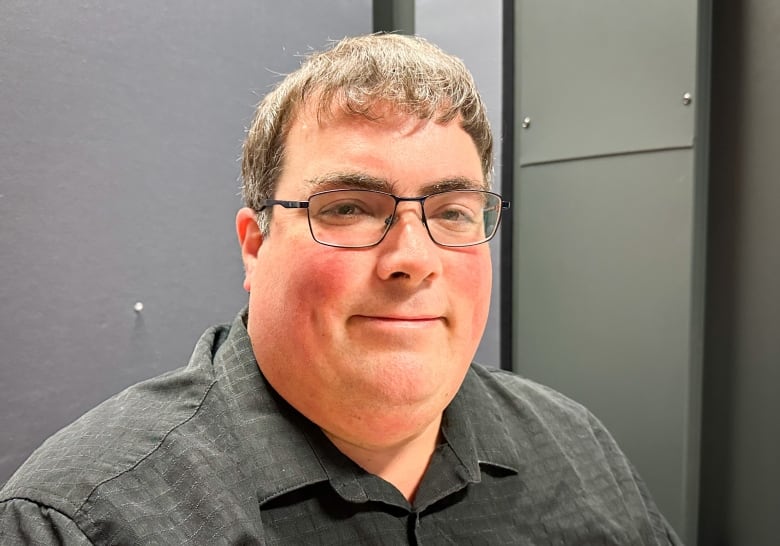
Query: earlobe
{"points": [[250, 240]]}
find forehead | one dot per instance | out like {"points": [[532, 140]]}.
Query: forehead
{"points": [[388, 150]]}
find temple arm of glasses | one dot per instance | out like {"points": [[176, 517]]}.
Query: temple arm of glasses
{"points": [[286, 204]]}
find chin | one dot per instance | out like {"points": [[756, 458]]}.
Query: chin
{"points": [[407, 389]]}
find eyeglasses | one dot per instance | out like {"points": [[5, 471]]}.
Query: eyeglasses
{"points": [[361, 218]]}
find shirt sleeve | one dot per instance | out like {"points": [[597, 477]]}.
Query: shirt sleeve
{"points": [[662, 533], [23, 522]]}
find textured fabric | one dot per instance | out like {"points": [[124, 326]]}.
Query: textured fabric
{"points": [[210, 454]]}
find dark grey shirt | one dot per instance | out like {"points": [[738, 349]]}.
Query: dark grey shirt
{"points": [[210, 454]]}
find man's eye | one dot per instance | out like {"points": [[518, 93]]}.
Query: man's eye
{"points": [[343, 209], [455, 215], [344, 213]]}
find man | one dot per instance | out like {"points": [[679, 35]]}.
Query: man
{"points": [[342, 406]]}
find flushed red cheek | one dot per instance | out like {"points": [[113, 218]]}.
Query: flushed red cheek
{"points": [[475, 280], [323, 279]]}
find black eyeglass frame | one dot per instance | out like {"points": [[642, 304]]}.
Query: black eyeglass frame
{"points": [[505, 205]]}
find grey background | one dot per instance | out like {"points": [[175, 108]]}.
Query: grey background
{"points": [[122, 126]]}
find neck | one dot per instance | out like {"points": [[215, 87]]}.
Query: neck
{"points": [[402, 464]]}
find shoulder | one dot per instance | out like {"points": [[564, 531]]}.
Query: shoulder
{"points": [[112, 439], [562, 451], [23, 522], [534, 415], [514, 393]]}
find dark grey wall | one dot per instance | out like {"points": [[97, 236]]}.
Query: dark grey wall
{"points": [[121, 129], [740, 494]]}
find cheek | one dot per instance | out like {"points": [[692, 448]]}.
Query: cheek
{"points": [[326, 276], [302, 304], [318, 284], [474, 284]]}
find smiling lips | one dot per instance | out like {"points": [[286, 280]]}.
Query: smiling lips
{"points": [[401, 321]]}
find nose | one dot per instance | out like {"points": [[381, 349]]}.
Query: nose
{"points": [[407, 251]]}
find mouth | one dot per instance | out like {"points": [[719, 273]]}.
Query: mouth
{"points": [[400, 321]]}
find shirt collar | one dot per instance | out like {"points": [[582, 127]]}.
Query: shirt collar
{"points": [[274, 437], [474, 427]]}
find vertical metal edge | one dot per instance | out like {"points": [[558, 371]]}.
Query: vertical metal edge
{"points": [[692, 467], [506, 268], [516, 169]]}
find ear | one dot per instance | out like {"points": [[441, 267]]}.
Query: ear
{"points": [[249, 239]]}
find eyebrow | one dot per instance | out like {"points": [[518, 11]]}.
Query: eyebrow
{"points": [[362, 181], [349, 180], [454, 183]]}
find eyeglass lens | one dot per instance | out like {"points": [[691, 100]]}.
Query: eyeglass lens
{"points": [[356, 218]]}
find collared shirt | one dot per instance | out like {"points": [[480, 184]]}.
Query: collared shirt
{"points": [[211, 454]]}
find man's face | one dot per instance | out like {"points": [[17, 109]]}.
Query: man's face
{"points": [[372, 342]]}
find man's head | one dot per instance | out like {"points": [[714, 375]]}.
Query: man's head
{"points": [[369, 343], [356, 74]]}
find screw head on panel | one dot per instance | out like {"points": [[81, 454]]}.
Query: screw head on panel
{"points": [[526, 122], [138, 307], [687, 98]]}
